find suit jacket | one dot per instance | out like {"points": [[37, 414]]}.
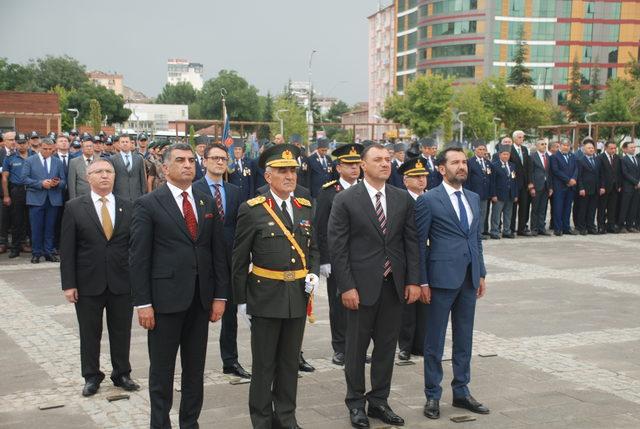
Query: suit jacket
{"points": [[164, 260], [257, 175], [321, 220], [129, 184], [630, 174], [444, 264], [33, 173], [242, 178], [69, 158], [358, 248], [396, 179], [504, 185], [479, 180], [522, 166], [435, 178], [610, 172], [77, 183], [300, 191], [232, 201], [88, 261], [562, 170], [539, 176], [318, 175], [3, 155], [200, 169], [589, 175]]}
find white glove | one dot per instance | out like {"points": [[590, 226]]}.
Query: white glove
{"points": [[242, 312], [310, 282], [325, 270]]}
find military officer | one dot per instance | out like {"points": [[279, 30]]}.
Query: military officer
{"points": [[274, 236], [240, 171], [348, 158]]}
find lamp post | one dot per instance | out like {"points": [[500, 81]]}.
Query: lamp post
{"points": [[77, 113], [461, 124], [281, 120], [586, 119], [309, 111]]}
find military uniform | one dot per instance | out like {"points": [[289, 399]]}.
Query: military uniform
{"points": [[274, 292], [240, 174]]}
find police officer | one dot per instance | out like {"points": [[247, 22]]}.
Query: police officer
{"points": [[15, 194], [240, 173], [320, 168], [274, 235], [348, 158], [143, 146]]}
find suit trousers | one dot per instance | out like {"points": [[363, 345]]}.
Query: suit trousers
{"points": [[19, 215], [484, 211], [380, 322], [89, 310], [628, 209], [607, 205], [586, 212], [461, 304], [275, 347], [337, 316], [562, 201], [539, 210], [412, 331], [229, 335], [43, 228], [185, 330], [520, 211], [501, 209]]}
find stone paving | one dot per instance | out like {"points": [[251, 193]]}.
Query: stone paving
{"points": [[557, 345]]}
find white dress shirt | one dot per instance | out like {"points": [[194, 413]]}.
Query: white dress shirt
{"points": [[111, 206], [48, 168], [414, 196], [454, 201], [177, 195], [124, 156], [345, 184], [372, 194], [287, 202]]}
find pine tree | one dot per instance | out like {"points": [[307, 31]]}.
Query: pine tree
{"points": [[95, 116], [520, 75], [578, 99]]}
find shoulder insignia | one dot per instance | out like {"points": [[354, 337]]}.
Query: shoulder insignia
{"points": [[257, 200], [328, 184], [304, 201]]}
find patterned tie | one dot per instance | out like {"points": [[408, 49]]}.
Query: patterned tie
{"points": [[88, 161], [544, 161], [128, 163], [464, 220], [189, 216], [383, 225], [107, 225], [218, 197]]}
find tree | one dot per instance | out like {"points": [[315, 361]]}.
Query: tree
{"points": [[242, 99], [64, 71], [633, 68], [614, 105], [594, 95], [577, 98], [423, 105], [334, 114], [111, 104], [294, 119], [180, 93], [14, 77], [267, 115], [95, 116], [520, 75], [447, 125], [192, 135], [478, 121]]}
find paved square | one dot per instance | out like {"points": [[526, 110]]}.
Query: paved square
{"points": [[562, 315]]}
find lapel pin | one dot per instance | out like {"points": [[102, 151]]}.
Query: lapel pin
{"points": [[271, 223], [120, 209], [201, 203]]}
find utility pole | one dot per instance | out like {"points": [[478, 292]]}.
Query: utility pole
{"points": [[461, 124]]}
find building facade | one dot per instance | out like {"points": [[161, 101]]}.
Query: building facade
{"points": [[180, 70], [112, 81], [152, 118], [472, 39], [30, 111]]}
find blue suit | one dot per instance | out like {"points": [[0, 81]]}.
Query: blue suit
{"points": [[257, 175], [479, 180], [452, 267], [242, 178], [396, 179], [562, 171], [435, 178], [318, 175], [43, 203]]}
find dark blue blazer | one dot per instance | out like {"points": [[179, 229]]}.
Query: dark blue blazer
{"points": [[504, 185], [395, 179], [589, 177], [562, 171], [69, 158], [232, 199], [434, 178], [444, 264], [318, 175], [257, 174], [200, 170], [479, 181], [33, 173], [242, 179]]}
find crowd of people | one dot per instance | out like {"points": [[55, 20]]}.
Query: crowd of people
{"points": [[214, 235]]}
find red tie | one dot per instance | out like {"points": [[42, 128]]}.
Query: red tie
{"points": [[219, 205], [544, 160], [189, 216]]}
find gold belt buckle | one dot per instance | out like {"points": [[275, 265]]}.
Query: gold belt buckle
{"points": [[289, 276]]}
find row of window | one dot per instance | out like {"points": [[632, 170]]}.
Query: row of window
{"points": [[449, 28], [558, 75], [407, 42], [406, 5], [449, 6], [558, 31], [406, 62], [453, 50], [559, 54], [558, 8]]}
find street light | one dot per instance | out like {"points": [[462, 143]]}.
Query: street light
{"points": [[573, 140], [281, 120], [77, 113], [309, 112], [586, 119], [461, 124]]}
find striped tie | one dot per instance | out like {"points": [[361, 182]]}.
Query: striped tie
{"points": [[218, 197], [383, 225]]}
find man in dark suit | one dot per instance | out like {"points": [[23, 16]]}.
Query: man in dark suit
{"points": [[373, 248], [131, 179], [77, 179], [630, 196], [303, 161], [564, 171], [539, 187], [452, 274], [397, 157], [348, 158], [479, 181], [240, 172], [590, 187], [44, 177], [94, 268], [520, 158], [227, 199], [179, 279], [611, 175], [274, 237], [429, 147], [320, 168], [504, 192], [201, 144]]}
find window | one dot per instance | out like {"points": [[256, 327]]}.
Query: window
{"points": [[453, 50], [610, 33], [412, 20], [587, 54], [562, 53], [541, 54], [456, 72], [401, 43], [401, 24], [516, 7], [422, 54], [447, 28], [447, 6], [543, 31], [564, 9], [400, 83], [611, 11], [545, 8], [411, 61], [589, 9], [422, 31], [423, 11], [588, 32], [564, 30], [515, 30], [411, 40]]}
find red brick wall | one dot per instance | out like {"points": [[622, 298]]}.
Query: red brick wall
{"points": [[26, 125], [29, 102]]}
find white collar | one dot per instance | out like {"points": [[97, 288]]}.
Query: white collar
{"points": [[280, 200], [345, 184], [450, 189], [96, 198], [414, 196], [177, 192], [373, 191]]}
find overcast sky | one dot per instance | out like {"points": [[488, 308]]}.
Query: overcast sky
{"points": [[267, 42]]}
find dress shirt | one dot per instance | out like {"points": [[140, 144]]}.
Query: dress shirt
{"points": [[519, 151], [48, 164], [64, 157], [345, 184], [177, 195], [111, 206], [451, 191], [212, 189], [372, 195], [124, 158], [287, 201], [542, 156], [88, 161], [414, 196]]}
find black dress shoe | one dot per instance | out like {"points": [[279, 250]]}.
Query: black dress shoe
{"points": [[495, 237], [358, 418], [386, 414], [35, 259], [534, 233], [524, 233], [338, 358], [125, 382], [545, 233], [404, 355], [14, 254], [469, 403], [51, 258], [557, 233], [303, 365], [90, 388], [431, 409], [236, 369], [571, 232], [583, 232], [508, 235]]}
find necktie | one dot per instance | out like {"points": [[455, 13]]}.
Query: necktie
{"points": [[519, 153], [189, 216], [64, 160], [544, 161], [88, 161], [127, 164], [107, 225], [430, 163], [239, 166], [633, 158], [383, 225], [566, 158], [610, 159], [324, 163], [481, 161], [464, 220], [46, 166], [591, 161], [507, 167], [286, 215], [218, 197]]}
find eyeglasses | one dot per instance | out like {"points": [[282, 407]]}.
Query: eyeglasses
{"points": [[218, 158]]}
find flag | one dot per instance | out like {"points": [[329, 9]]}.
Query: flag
{"points": [[227, 140]]}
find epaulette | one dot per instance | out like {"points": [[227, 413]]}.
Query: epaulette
{"points": [[257, 200], [328, 184], [304, 201]]}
